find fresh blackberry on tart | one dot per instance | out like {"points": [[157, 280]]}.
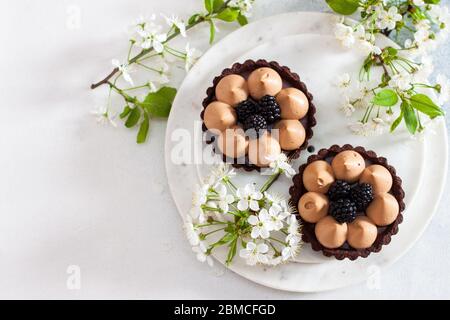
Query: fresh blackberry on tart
{"points": [[246, 109], [343, 210], [255, 123], [362, 195], [269, 109], [339, 189]]}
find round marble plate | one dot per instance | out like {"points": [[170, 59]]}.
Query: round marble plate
{"points": [[302, 53]]}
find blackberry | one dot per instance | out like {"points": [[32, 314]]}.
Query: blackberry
{"points": [[362, 195], [269, 109], [343, 210], [256, 123], [245, 109], [339, 190]]}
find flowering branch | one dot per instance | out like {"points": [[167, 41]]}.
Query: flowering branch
{"points": [[402, 92], [150, 51], [259, 223]]}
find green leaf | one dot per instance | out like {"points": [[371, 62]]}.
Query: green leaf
{"points": [[158, 103], [410, 117], [126, 111], [425, 105], [432, 1], [228, 15], [209, 5], [212, 31], [242, 20], [385, 98], [345, 7], [218, 4], [397, 122], [225, 239], [143, 129], [133, 118]]}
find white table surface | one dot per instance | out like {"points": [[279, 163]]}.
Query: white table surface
{"points": [[75, 193]]}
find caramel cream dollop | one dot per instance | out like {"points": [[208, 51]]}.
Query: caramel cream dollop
{"points": [[383, 210], [219, 116], [261, 150], [348, 165], [330, 233], [318, 176], [313, 206], [362, 233], [377, 176], [291, 134], [293, 103], [232, 142], [232, 89], [264, 81]]}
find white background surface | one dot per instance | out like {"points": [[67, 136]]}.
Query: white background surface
{"points": [[74, 193]]}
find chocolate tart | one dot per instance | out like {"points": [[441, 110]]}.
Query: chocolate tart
{"points": [[290, 79], [384, 233]]}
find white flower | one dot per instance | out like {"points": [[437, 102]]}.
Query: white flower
{"points": [[200, 195], [261, 225], [199, 198], [152, 38], [200, 252], [401, 81], [163, 70], [103, 116], [378, 125], [444, 93], [422, 25], [197, 213], [419, 3], [244, 6], [422, 39], [367, 48], [365, 95], [293, 239], [224, 199], [365, 41], [191, 232], [347, 108], [142, 19], [423, 71], [440, 13], [374, 127], [289, 252], [177, 22], [276, 217], [279, 163], [275, 261], [190, 57], [274, 198], [343, 81], [344, 34], [249, 198], [124, 69], [388, 19], [254, 253]]}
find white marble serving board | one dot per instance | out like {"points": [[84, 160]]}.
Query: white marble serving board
{"points": [[317, 58]]}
